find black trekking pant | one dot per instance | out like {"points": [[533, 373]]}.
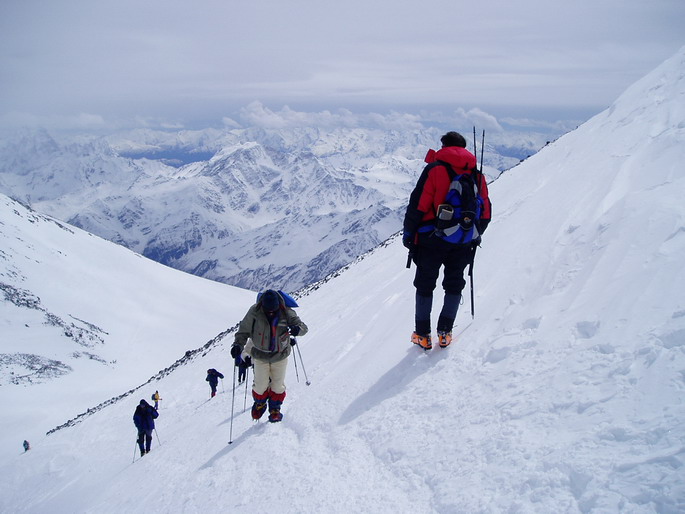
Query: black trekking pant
{"points": [[429, 260], [144, 438], [430, 257]]}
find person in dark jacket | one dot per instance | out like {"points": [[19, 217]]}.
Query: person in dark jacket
{"points": [[27, 446], [243, 366], [268, 325], [144, 420], [431, 252], [213, 377]]}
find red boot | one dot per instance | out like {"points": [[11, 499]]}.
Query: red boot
{"points": [[275, 402], [259, 405]]}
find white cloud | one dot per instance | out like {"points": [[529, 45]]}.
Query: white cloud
{"points": [[180, 61], [559, 125], [81, 121], [229, 122], [257, 115], [477, 118]]}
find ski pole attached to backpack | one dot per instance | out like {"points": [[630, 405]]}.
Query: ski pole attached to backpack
{"points": [[478, 179]]}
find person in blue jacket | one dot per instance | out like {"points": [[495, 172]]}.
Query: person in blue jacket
{"points": [[213, 377], [144, 420]]}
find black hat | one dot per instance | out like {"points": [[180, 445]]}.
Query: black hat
{"points": [[453, 139], [270, 301]]}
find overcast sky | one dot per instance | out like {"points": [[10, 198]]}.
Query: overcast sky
{"points": [[186, 63]]}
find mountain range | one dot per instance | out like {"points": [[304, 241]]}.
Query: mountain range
{"points": [[252, 207]]}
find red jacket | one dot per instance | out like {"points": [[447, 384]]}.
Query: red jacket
{"points": [[434, 183]]}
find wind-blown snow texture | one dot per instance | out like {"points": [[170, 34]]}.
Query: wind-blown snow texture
{"points": [[565, 394]]}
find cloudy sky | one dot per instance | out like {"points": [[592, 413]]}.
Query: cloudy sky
{"points": [[181, 63]]}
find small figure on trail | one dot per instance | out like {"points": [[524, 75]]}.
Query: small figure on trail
{"points": [[27, 446], [156, 399], [144, 420], [213, 377], [242, 365]]}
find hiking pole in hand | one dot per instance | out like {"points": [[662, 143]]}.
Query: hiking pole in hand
{"points": [[293, 342], [160, 442], [230, 436], [247, 374]]}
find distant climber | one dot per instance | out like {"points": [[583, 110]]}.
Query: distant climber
{"points": [[144, 420], [213, 377], [156, 398], [27, 446], [243, 365]]}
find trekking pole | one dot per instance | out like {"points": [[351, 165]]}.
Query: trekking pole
{"points": [[247, 374], [473, 258], [222, 385], [294, 343], [135, 447], [475, 246], [482, 149], [160, 442], [230, 437], [475, 146]]}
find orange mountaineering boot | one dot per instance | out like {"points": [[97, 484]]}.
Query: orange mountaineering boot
{"points": [[444, 339], [422, 341]]}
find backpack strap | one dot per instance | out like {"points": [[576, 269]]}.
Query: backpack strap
{"points": [[448, 167]]}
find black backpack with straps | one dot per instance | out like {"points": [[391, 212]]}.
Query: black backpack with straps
{"points": [[457, 218]]}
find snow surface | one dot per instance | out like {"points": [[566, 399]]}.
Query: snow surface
{"points": [[564, 394], [137, 317]]}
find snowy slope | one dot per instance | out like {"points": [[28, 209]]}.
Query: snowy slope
{"points": [[563, 395], [82, 319]]}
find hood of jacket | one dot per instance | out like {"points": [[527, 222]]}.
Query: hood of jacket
{"points": [[457, 157]]}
